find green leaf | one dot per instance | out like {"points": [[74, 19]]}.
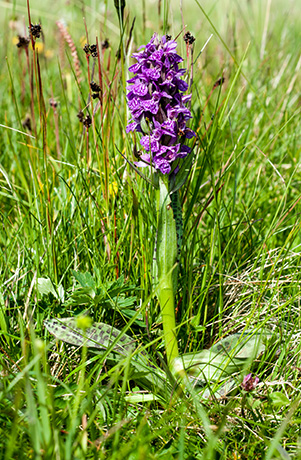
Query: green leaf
{"points": [[166, 257], [125, 302], [208, 366], [103, 336], [139, 319], [166, 254], [226, 357], [3, 316], [140, 398], [84, 279], [99, 335], [279, 399], [219, 390], [245, 346], [46, 286]]}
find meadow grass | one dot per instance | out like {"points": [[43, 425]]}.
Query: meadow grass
{"points": [[73, 209]]}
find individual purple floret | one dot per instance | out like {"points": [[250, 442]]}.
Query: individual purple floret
{"points": [[158, 105], [248, 383]]}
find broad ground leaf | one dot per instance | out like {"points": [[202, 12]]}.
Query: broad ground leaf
{"points": [[207, 366], [244, 346], [228, 356], [102, 336], [214, 366], [99, 335]]}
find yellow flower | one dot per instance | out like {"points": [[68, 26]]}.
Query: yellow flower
{"points": [[113, 188], [39, 47]]}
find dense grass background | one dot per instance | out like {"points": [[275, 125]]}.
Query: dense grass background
{"points": [[70, 203]]}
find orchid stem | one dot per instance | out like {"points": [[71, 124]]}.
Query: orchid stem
{"points": [[166, 261]]}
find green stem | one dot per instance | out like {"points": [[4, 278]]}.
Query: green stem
{"points": [[166, 258], [166, 300]]}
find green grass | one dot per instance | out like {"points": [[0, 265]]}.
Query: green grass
{"points": [[70, 203]]}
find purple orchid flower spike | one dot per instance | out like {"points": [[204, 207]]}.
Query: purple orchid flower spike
{"points": [[249, 383], [158, 105]]}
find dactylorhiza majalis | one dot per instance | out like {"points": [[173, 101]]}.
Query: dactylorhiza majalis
{"points": [[159, 110]]}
